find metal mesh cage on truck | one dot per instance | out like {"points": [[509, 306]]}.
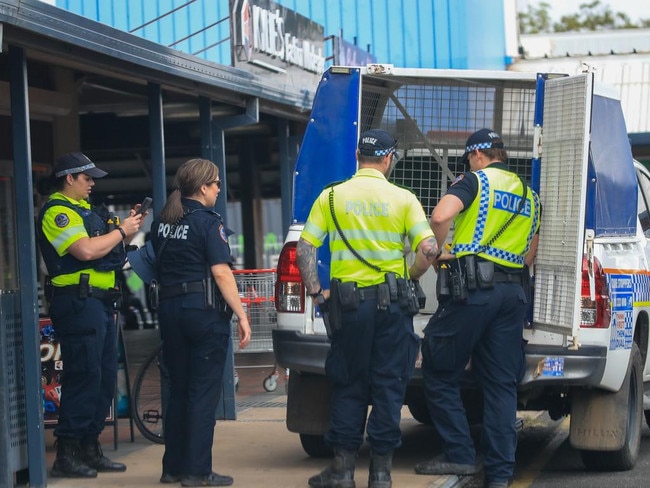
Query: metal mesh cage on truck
{"points": [[432, 118], [430, 112]]}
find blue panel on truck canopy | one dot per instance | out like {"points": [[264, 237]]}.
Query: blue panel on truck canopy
{"points": [[612, 198], [329, 144]]}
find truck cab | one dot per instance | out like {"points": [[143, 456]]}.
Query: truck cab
{"points": [[587, 333]]}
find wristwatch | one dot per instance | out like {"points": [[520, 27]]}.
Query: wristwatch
{"points": [[318, 297]]}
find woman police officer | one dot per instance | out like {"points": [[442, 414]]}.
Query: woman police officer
{"points": [[192, 253], [82, 247]]}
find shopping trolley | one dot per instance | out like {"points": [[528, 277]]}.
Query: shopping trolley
{"points": [[257, 293]]}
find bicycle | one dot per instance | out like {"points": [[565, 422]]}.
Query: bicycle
{"points": [[150, 394]]}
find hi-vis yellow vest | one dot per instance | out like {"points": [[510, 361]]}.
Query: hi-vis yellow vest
{"points": [[375, 216], [499, 195]]}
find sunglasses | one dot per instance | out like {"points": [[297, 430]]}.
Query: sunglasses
{"points": [[216, 182]]}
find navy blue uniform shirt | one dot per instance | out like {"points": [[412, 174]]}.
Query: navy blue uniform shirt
{"points": [[466, 185], [198, 240]]}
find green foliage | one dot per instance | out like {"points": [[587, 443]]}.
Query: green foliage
{"points": [[592, 16], [535, 20]]}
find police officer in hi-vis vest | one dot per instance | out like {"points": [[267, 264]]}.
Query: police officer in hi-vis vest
{"points": [[482, 305], [371, 303], [82, 247]]}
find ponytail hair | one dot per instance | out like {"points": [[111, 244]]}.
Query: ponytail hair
{"points": [[172, 212], [190, 176]]}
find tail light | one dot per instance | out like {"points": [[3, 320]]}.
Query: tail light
{"points": [[289, 288], [594, 313]]}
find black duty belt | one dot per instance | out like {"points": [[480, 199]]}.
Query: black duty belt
{"points": [[184, 288], [109, 295], [503, 277], [367, 293]]}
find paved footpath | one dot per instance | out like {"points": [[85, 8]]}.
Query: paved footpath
{"points": [[256, 449]]}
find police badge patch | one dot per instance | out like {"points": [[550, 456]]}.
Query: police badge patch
{"points": [[61, 220], [222, 233], [460, 177]]}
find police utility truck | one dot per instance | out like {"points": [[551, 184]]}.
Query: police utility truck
{"points": [[586, 340]]}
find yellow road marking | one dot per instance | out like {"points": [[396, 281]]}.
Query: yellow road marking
{"points": [[531, 472]]}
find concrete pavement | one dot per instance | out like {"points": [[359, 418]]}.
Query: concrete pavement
{"points": [[256, 449]]}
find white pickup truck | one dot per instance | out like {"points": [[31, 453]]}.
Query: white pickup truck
{"points": [[588, 333]]}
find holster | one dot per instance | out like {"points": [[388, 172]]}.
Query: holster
{"points": [[223, 308], [325, 313], [334, 306], [48, 289], [344, 297], [214, 299], [442, 282], [153, 294], [526, 283], [457, 281]]}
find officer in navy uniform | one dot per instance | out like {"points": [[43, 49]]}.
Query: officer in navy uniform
{"points": [[83, 246], [373, 350], [496, 218], [192, 253]]}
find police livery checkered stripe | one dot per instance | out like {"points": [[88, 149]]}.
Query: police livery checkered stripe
{"points": [[77, 169], [535, 220], [489, 251], [475, 247], [384, 152], [641, 283], [480, 145], [483, 206]]}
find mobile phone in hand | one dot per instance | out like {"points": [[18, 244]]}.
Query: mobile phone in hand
{"points": [[144, 206]]}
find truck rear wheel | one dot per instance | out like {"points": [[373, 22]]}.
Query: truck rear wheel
{"points": [[624, 458], [314, 446]]}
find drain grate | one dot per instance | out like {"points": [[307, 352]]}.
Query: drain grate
{"points": [[260, 404]]}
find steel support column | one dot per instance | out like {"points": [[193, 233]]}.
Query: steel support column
{"points": [[288, 151], [157, 143], [27, 266], [219, 126]]}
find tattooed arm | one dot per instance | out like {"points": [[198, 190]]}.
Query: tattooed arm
{"points": [[306, 262], [424, 257]]}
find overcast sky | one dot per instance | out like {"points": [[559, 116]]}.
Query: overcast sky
{"points": [[635, 9]]}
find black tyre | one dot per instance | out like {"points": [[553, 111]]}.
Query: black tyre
{"points": [[472, 402], [147, 404], [625, 458], [314, 446]]}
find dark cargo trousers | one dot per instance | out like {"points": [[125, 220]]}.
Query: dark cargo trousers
{"points": [[195, 348], [87, 334], [370, 363], [488, 329]]}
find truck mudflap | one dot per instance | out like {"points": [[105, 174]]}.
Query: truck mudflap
{"points": [[300, 352], [557, 365]]}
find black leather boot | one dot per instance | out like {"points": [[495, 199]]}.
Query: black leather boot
{"points": [[339, 475], [68, 462], [380, 466], [92, 455]]}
